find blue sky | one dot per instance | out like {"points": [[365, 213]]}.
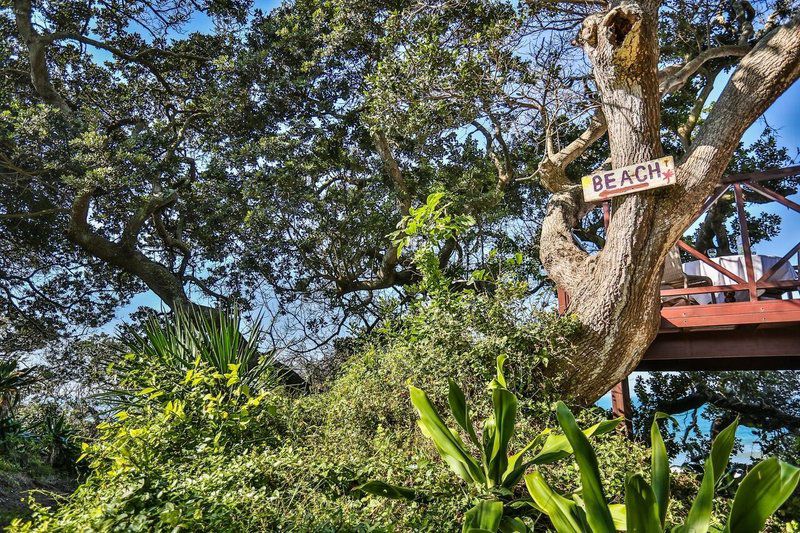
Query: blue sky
{"points": [[784, 116]]}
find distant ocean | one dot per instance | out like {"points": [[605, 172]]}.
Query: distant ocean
{"points": [[751, 451]]}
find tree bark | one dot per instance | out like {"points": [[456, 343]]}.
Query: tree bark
{"points": [[123, 254], [614, 294]]}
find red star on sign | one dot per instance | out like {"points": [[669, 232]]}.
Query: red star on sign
{"points": [[668, 174]]}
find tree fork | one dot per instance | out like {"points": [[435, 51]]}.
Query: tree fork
{"points": [[615, 293]]}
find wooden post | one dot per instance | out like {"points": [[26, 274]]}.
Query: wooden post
{"points": [[748, 255], [563, 300], [621, 405]]}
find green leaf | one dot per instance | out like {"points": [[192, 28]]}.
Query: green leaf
{"points": [[597, 513], [458, 406], [563, 513], [500, 380], [762, 491], [700, 513], [659, 464], [379, 488], [721, 449], [699, 516], [433, 200], [462, 463], [505, 413], [513, 525], [619, 515], [485, 516], [641, 506], [557, 447], [516, 467]]}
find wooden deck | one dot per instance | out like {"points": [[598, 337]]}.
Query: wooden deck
{"points": [[762, 333], [758, 334]]}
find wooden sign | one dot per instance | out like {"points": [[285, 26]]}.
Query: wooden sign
{"points": [[635, 178]]}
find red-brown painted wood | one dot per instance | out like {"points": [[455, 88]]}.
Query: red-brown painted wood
{"points": [[763, 175], [621, 405], [769, 273], [782, 284], [742, 349], [772, 195], [730, 314], [705, 259]]}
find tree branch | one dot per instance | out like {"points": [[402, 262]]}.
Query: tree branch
{"points": [[40, 76], [685, 130], [552, 169], [400, 185], [156, 276], [130, 232], [33, 214], [505, 171], [561, 257], [753, 414], [674, 77], [138, 58], [761, 77]]}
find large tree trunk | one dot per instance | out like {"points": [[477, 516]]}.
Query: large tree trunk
{"points": [[614, 294]]}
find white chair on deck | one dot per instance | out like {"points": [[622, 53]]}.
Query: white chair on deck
{"points": [[675, 278]]}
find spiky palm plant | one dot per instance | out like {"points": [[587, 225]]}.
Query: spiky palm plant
{"points": [[12, 381], [213, 338]]}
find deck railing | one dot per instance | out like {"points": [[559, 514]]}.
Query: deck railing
{"points": [[751, 283], [756, 310]]}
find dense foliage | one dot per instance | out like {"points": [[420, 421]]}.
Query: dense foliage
{"points": [[198, 449], [194, 447], [372, 176]]}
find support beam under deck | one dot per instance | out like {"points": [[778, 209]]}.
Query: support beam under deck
{"points": [[744, 348]]}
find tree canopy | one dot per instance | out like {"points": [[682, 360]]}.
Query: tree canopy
{"points": [[266, 159]]}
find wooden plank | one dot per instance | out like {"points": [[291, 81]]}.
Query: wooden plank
{"points": [[772, 195], [621, 405], [783, 284], [605, 184], [705, 259], [751, 349], [777, 266], [748, 254], [711, 200], [734, 308], [563, 300], [760, 312], [763, 175]]}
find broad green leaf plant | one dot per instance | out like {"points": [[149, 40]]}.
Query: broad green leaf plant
{"points": [[496, 472], [763, 490]]}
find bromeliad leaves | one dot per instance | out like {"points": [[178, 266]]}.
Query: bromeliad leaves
{"points": [[765, 488], [497, 472]]}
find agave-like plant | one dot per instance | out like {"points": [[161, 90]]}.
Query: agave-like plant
{"points": [[762, 491], [12, 381], [58, 436], [496, 472], [212, 337]]}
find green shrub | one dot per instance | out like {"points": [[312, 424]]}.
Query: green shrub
{"points": [[496, 474], [191, 400], [291, 464]]}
